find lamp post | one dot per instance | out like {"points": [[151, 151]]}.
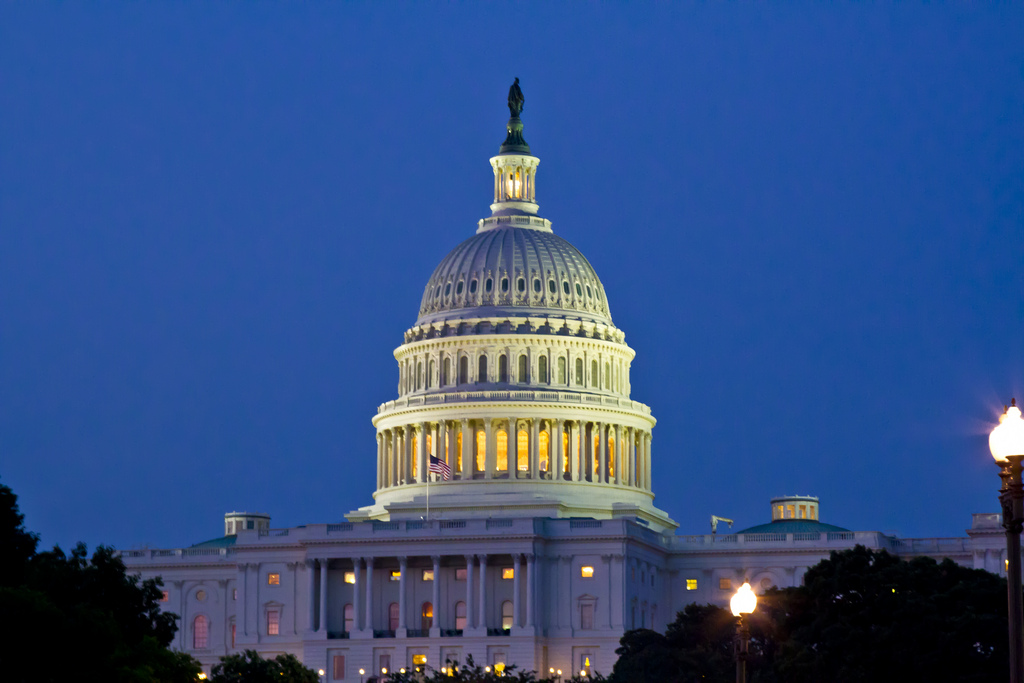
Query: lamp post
{"points": [[362, 672], [1007, 445], [743, 602]]}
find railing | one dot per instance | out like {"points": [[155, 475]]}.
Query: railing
{"points": [[519, 395], [499, 632], [419, 525], [385, 526], [841, 535], [763, 538], [200, 551], [132, 553], [451, 633], [383, 633], [273, 532], [418, 633], [807, 536], [499, 523], [337, 635], [336, 528], [584, 524], [455, 524]]}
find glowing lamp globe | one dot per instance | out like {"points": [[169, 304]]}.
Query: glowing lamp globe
{"points": [[745, 600], [1008, 438]]}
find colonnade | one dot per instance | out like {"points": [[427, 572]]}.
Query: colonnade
{"points": [[520, 448], [474, 599]]}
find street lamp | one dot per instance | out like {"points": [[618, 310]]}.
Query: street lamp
{"points": [[1007, 445], [362, 672], [743, 602]]}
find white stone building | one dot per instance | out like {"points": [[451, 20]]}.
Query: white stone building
{"points": [[543, 545]]}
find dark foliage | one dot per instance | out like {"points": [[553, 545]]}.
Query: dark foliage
{"points": [[249, 667]]}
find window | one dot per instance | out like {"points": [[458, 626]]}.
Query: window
{"points": [[338, 668], [201, 595], [481, 372], [250, 524], [458, 288], [488, 285], [385, 663], [725, 584], [463, 370], [437, 292], [350, 577], [349, 614], [472, 286], [165, 596], [594, 379], [585, 662], [460, 616], [652, 578], [393, 616], [273, 622], [579, 372], [521, 285], [522, 368], [506, 615], [460, 574], [542, 369], [607, 376], [419, 375], [233, 631], [508, 573], [504, 284], [234, 593], [586, 616], [428, 575], [579, 290], [419, 660], [448, 289], [200, 633], [502, 464], [565, 287], [691, 584], [588, 291], [536, 285], [481, 450], [522, 451], [587, 572], [427, 616], [503, 368], [430, 373], [396, 575], [273, 579], [446, 371], [561, 370]]}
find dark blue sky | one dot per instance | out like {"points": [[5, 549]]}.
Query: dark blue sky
{"points": [[217, 220]]}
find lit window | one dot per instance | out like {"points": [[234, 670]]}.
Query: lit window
{"points": [[691, 584], [725, 584], [481, 450], [273, 579], [508, 572], [200, 633], [542, 442], [350, 577], [428, 574], [522, 451], [339, 668], [164, 596], [506, 615], [396, 575], [586, 616], [427, 616], [419, 660], [273, 622], [502, 464], [460, 574], [385, 663], [587, 572], [460, 616]]}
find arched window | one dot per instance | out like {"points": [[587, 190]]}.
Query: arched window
{"points": [[502, 451], [427, 616], [393, 616], [430, 373], [579, 372], [565, 452], [523, 451], [350, 618], [463, 370], [460, 616], [607, 376], [522, 368], [446, 372], [561, 370], [419, 375], [481, 450], [200, 633], [502, 368], [542, 370], [521, 284], [542, 443], [506, 615], [595, 380], [481, 373]]}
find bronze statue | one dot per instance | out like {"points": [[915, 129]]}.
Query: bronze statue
{"points": [[515, 99]]}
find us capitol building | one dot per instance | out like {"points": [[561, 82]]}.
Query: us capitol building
{"points": [[537, 542]]}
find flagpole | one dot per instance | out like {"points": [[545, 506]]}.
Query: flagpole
{"points": [[428, 493]]}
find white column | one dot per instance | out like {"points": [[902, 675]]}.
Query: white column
{"points": [[470, 621], [421, 453], [356, 570], [535, 450], [380, 460], [602, 447], [467, 463], [618, 454], [647, 461], [491, 457], [435, 597], [482, 621], [574, 449], [407, 454], [517, 565], [403, 566], [311, 570], [368, 623], [531, 587], [395, 459], [323, 595]]}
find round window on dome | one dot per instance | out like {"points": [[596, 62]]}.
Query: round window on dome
{"points": [[536, 285], [565, 287], [472, 286], [521, 284], [458, 288], [448, 289], [579, 290], [552, 287], [504, 284]]}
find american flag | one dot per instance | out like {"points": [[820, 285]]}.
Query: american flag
{"points": [[440, 467]]}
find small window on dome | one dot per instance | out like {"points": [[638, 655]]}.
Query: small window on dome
{"points": [[504, 284], [437, 294], [448, 289], [488, 285], [521, 285], [565, 287], [552, 287], [579, 290], [458, 288], [589, 293], [536, 285], [472, 287]]}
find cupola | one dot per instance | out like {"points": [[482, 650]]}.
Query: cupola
{"points": [[515, 169]]}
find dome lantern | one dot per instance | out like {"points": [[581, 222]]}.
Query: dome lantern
{"points": [[515, 169]]}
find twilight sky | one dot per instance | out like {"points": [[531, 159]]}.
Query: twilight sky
{"points": [[217, 220]]}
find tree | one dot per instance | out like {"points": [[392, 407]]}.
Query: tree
{"points": [[249, 667], [108, 625]]}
